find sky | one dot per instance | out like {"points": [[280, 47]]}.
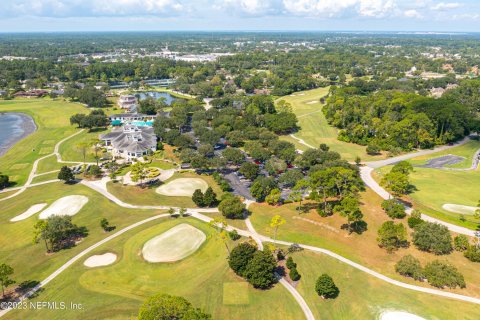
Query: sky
{"points": [[255, 15]]}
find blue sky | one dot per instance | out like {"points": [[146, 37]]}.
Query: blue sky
{"points": [[119, 15]]}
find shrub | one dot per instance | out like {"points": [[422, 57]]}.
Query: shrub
{"points": [[240, 257], [290, 263], [432, 237], [233, 235], [441, 274], [280, 255], [231, 207], [325, 287], [393, 209], [460, 242], [373, 149], [409, 266], [415, 219], [294, 275], [472, 253], [197, 198]]}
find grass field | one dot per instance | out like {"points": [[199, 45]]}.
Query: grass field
{"points": [[117, 291], [314, 127], [71, 150], [466, 150], [45, 177], [326, 232], [365, 297], [30, 260], [148, 196], [52, 120], [435, 187]]}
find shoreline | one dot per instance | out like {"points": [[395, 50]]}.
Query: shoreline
{"points": [[28, 126]]}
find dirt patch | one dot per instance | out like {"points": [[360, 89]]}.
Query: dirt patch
{"points": [[329, 228]]}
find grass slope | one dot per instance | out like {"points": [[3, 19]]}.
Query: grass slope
{"points": [[326, 232]]}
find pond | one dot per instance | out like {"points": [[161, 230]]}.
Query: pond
{"points": [[14, 127], [156, 95]]}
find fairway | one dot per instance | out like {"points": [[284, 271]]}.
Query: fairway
{"points": [[52, 118], [314, 128], [174, 244]]}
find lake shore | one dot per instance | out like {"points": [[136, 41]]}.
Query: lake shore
{"points": [[27, 125]]}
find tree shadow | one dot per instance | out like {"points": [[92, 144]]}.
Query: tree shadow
{"points": [[357, 227]]}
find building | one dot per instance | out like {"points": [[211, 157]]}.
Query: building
{"points": [[130, 142], [31, 94], [138, 119], [128, 102]]}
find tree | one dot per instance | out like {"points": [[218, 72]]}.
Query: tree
{"points": [[290, 263], [139, 172], [403, 167], [392, 236], [167, 307], [94, 171], [96, 143], [249, 170], [240, 257], [105, 225], [472, 253], [396, 182], [66, 174], [5, 280], [234, 155], [232, 207], [460, 242], [442, 274], [274, 197], [209, 198], [393, 209], [197, 198], [432, 237], [260, 269], [373, 150], [58, 232], [39, 232], [220, 225], [261, 187], [325, 287], [409, 266], [349, 207], [275, 223]]}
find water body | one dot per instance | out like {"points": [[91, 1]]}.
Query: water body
{"points": [[156, 95], [13, 128]]}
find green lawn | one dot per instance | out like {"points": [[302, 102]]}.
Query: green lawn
{"points": [[365, 297], [72, 150], [48, 164], [29, 260], [52, 120], [117, 291], [314, 127], [466, 150], [435, 187], [148, 196], [45, 177]]}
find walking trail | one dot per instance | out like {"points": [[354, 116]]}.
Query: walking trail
{"points": [[101, 187]]}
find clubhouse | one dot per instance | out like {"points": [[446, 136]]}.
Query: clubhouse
{"points": [[130, 142]]}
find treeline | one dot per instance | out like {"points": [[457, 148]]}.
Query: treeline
{"points": [[391, 119]]}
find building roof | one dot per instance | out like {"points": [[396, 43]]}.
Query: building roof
{"points": [[131, 138]]}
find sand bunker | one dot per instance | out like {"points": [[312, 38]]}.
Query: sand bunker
{"points": [[183, 187], [66, 206], [30, 212], [399, 315], [458, 208], [174, 244], [313, 102], [100, 260]]}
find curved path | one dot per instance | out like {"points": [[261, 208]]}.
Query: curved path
{"points": [[367, 169]]}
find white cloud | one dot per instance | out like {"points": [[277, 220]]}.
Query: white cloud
{"points": [[445, 6], [130, 7], [412, 13], [249, 7], [335, 8]]}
